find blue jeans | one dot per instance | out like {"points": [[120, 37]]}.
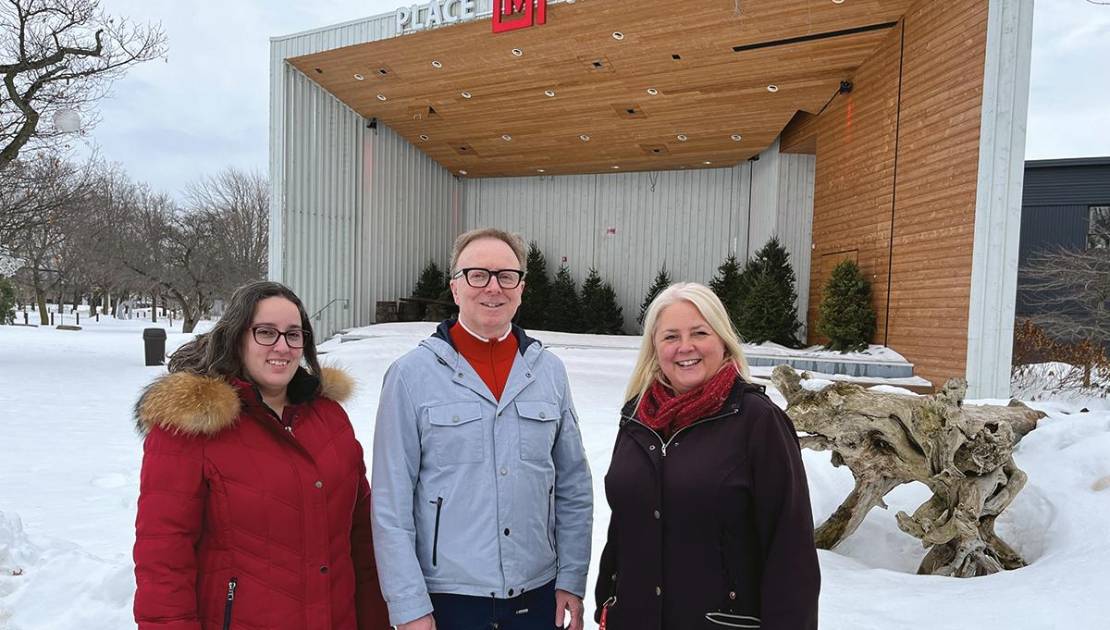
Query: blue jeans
{"points": [[534, 610]]}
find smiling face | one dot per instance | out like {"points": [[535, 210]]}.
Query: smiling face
{"points": [[272, 367], [487, 311], [689, 352]]}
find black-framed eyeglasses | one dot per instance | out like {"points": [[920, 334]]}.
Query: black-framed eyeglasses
{"points": [[268, 336], [479, 278]]}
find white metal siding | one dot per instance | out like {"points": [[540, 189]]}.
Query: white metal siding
{"points": [[411, 210], [691, 221], [355, 213]]}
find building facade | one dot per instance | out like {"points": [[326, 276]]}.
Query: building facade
{"points": [[624, 136]]}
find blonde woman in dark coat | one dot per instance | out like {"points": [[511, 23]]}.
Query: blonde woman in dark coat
{"points": [[711, 524]]}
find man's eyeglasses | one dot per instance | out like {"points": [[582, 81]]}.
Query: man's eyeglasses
{"points": [[479, 278], [268, 336]]}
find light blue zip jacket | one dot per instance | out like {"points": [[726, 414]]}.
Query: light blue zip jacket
{"points": [[475, 496]]}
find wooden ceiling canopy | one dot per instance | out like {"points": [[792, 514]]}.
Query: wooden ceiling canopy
{"points": [[709, 66]]}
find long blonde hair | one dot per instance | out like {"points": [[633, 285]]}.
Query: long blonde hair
{"points": [[709, 305]]}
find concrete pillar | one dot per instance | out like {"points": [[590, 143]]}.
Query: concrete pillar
{"points": [[998, 200]]}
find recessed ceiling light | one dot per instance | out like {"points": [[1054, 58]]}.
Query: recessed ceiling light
{"points": [[549, 92], [617, 35], [424, 137], [616, 166], [436, 63], [517, 52], [707, 162], [506, 137], [682, 137], [838, 1], [584, 138], [737, 137], [464, 94], [462, 172], [539, 170], [772, 88], [381, 97], [359, 77], [652, 91]]}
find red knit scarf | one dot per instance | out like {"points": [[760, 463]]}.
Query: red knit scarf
{"points": [[666, 413]]}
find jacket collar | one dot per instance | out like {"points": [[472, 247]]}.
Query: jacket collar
{"points": [[192, 404], [443, 332]]}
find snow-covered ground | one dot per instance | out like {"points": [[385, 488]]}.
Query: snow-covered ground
{"points": [[70, 460]]}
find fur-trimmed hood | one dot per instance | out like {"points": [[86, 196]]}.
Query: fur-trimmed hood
{"points": [[191, 404]]}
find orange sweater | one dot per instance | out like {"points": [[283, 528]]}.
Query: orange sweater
{"points": [[492, 360]]}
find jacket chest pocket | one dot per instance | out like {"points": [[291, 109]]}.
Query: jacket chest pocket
{"points": [[537, 429], [455, 435]]}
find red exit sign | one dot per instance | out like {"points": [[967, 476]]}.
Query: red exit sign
{"points": [[509, 15]]}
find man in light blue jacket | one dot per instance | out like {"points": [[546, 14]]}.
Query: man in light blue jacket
{"points": [[482, 499]]}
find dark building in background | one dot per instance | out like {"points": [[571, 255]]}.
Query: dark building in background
{"points": [[1065, 203]]}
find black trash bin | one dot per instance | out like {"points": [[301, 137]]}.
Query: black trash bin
{"points": [[154, 340]]}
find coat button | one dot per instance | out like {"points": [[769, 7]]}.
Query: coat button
{"points": [[656, 514], [454, 418], [658, 590], [651, 447], [528, 374], [319, 484], [504, 471], [732, 594], [506, 531], [542, 415], [324, 569], [510, 592]]}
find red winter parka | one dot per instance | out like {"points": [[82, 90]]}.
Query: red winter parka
{"points": [[244, 524]]}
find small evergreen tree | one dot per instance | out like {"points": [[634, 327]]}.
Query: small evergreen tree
{"points": [[845, 315], [662, 281], [600, 313], [432, 282], [430, 285], [730, 286], [565, 312], [767, 308], [532, 313], [7, 302]]}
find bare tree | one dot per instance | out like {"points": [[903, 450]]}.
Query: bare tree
{"points": [[238, 205], [58, 55], [1070, 292], [53, 189]]}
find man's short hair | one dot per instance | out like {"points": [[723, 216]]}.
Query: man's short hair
{"points": [[466, 238]]}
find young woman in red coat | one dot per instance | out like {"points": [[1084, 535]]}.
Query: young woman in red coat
{"points": [[254, 508], [711, 524]]}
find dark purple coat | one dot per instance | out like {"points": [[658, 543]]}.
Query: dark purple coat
{"points": [[714, 521]]}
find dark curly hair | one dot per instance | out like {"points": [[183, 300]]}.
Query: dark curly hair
{"points": [[216, 352]]}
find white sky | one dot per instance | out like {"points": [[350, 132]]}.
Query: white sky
{"points": [[170, 123]]}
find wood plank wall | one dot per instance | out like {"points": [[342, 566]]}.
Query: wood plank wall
{"points": [[896, 173]]}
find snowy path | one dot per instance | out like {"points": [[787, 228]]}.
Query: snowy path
{"points": [[70, 461]]}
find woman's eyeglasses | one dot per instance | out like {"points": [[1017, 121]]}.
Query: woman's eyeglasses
{"points": [[479, 278], [268, 336]]}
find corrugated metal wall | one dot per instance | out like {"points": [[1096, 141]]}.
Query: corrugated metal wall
{"points": [[412, 212], [628, 225], [355, 212]]}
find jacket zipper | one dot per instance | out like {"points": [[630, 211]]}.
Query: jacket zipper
{"points": [[435, 537], [550, 500], [232, 584], [664, 445]]}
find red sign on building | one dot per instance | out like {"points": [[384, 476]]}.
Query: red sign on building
{"points": [[509, 15]]}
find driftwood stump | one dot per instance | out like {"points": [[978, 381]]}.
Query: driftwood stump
{"points": [[963, 454]]}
